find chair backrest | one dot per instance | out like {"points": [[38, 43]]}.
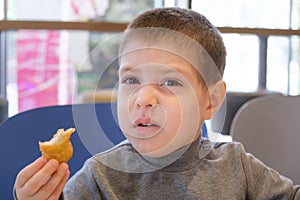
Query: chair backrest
{"points": [[269, 128], [21, 133], [222, 120], [97, 130]]}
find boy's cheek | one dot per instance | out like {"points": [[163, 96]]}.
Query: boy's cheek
{"points": [[122, 108], [123, 113]]}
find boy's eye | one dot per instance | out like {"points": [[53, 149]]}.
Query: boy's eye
{"points": [[131, 81], [171, 83]]}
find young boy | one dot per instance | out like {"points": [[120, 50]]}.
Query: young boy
{"points": [[170, 80]]}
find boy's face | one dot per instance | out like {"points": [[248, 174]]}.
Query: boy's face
{"points": [[161, 101]]}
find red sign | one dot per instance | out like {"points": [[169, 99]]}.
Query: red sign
{"points": [[40, 68]]}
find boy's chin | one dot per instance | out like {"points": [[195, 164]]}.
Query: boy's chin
{"points": [[158, 146], [155, 151]]}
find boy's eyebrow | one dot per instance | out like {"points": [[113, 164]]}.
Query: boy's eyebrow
{"points": [[124, 69], [176, 69], [186, 71]]}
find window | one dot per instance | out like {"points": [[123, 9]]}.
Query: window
{"points": [[243, 63], [251, 14], [1, 10], [278, 59], [49, 67]]}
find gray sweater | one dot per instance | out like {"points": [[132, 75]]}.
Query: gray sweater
{"points": [[203, 170]]}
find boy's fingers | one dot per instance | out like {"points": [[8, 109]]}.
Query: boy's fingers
{"points": [[52, 185], [41, 177], [29, 171], [57, 192]]}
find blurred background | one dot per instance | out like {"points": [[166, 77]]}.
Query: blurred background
{"points": [[48, 54]]}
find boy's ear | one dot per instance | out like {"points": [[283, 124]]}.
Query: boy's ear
{"points": [[217, 95]]}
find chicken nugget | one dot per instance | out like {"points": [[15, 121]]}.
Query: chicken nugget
{"points": [[59, 147]]}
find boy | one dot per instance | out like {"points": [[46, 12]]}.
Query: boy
{"points": [[170, 80]]}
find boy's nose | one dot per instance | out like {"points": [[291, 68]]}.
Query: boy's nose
{"points": [[146, 97]]}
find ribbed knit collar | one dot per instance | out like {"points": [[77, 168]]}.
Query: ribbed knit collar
{"points": [[180, 160]]}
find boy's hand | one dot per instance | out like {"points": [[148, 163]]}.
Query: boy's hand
{"points": [[42, 179]]}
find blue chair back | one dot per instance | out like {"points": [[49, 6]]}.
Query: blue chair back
{"points": [[21, 133]]}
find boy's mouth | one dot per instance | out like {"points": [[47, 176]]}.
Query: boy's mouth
{"points": [[146, 125], [143, 121]]}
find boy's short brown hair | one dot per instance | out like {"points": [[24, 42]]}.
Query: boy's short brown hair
{"points": [[188, 23]]}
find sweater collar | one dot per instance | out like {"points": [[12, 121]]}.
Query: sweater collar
{"points": [[180, 160]]}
